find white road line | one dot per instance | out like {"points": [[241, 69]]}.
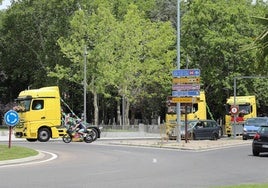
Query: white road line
{"points": [[17, 163]]}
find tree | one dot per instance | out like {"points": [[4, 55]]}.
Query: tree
{"points": [[212, 35], [29, 33], [127, 55], [261, 43]]}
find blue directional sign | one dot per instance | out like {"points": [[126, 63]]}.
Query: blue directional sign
{"points": [[11, 118], [190, 93], [186, 72]]}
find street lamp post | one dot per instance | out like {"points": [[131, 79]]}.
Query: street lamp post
{"points": [[85, 84]]}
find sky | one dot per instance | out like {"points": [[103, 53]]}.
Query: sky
{"points": [[5, 4]]}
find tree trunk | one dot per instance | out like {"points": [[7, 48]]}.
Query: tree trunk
{"points": [[118, 113], [126, 117], [96, 109]]}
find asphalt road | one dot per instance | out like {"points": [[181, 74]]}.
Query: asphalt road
{"points": [[99, 165]]}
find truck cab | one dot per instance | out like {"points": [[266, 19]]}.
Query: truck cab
{"points": [[40, 114], [247, 108]]}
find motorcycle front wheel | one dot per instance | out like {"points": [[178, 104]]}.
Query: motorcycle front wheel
{"points": [[66, 138], [88, 138]]}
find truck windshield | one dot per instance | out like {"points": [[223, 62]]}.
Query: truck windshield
{"points": [[23, 105], [245, 109], [191, 109]]}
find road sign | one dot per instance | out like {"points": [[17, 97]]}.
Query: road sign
{"points": [[185, 87], [234, 109], [11, 118], [190, 93], [185, 100], [186, 80], [185, 72]]}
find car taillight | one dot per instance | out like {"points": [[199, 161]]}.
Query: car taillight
{"points": [[257, 136]]}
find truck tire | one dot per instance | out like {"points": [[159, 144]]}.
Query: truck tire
{"points": [[43, 134]]}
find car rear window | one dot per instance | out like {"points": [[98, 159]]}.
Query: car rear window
{"points": [[263, 130], [257, 121]]}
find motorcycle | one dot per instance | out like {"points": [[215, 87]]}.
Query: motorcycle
{"points": [[73, 135]]}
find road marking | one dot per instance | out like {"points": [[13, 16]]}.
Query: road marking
{"points": [[18, 163]]}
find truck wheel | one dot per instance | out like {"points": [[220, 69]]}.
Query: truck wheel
{"points": [[43, 135]]}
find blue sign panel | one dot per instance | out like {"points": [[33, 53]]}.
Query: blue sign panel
{"points": [[11, 118], [193, 93], [186, 72]]}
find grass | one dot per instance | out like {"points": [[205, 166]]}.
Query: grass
{"points": [[247, 186], [15, 152]]}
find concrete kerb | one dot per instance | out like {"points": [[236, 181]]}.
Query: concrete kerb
{"points": [[195, 145], [152, 140], [39, 156]]}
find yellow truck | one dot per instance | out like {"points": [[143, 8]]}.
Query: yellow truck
{"points": [[41, 115], [194, 111], [246, 108]]}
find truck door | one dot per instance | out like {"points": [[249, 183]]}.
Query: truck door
{"points": [[37, 110]]}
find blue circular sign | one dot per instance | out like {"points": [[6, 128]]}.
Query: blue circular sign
{"points": [[11, 118]]}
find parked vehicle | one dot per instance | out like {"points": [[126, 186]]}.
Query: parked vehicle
{"points": [[195, 111], [247, 108], [252, 125], [202, 129], [260, 141]]}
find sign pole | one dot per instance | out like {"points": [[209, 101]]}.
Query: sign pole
{"points": [[178, 66], [186, 128], [9, 137]]}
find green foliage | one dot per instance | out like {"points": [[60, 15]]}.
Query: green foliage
{"points": [[127, 54], [213, 34], [131, 49]]}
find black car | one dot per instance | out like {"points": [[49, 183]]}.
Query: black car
{"points": [[202, 129], [260, 141]]}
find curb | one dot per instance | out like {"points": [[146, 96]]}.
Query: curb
{"points": [[40, 155]]}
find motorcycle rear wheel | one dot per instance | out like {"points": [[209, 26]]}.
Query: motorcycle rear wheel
{"points": [[66, 138]]}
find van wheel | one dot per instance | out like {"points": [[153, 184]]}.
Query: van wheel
{"points": [[43, 135]]}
